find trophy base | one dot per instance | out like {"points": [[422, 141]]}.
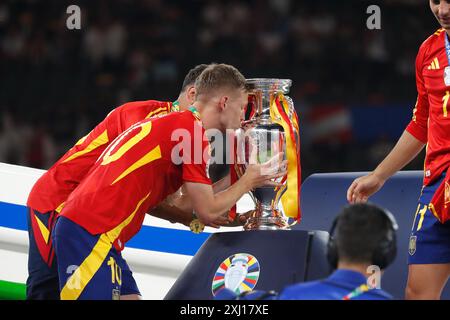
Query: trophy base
{"points": [[273, 222]]}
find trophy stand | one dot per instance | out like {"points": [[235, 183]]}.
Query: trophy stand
{"points": [[266, 218], [252, 260]]}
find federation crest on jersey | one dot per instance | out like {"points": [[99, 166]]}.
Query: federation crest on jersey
{"points": [[239, 273]]}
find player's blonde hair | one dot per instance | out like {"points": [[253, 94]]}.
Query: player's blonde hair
{"points": [[218, 76]]}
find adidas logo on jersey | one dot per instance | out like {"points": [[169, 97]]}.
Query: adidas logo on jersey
{"points": [[434, 65]]}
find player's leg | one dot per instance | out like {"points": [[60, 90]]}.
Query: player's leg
{"points": [[42, 281], [87, 265], [129, 289], [429, 251], [131, 297], [426, 281]]}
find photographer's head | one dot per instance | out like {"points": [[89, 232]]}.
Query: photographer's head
{"points": [[363, 234]]}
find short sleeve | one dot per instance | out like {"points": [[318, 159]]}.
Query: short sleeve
{"points": [[418, 125], [196, 155]]}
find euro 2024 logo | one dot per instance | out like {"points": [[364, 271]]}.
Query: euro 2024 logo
{"points": [[239, 273]]}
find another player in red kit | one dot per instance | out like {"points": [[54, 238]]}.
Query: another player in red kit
{"points": [[50, 192], [429, 246], [145, 164]]}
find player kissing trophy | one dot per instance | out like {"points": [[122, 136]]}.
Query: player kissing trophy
{"points": [[272, 128]]}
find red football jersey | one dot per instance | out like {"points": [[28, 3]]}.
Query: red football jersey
{"points": [[52, 189], [136, 172], [431, 119]]}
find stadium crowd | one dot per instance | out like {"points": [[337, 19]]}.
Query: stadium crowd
{"points": [[56, 83]]}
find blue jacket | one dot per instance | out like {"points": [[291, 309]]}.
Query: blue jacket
{"points": [[335, 287]]}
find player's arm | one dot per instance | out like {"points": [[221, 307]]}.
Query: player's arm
{"points": [[222, 184], [172, 213], [177, 207], [407, 148], [404, 151], [226, 220], [210, 206]]}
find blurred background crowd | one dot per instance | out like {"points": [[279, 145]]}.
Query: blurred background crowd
{"points": [[353, 88]]}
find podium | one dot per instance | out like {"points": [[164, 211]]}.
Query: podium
{"points": [[259, 260]]}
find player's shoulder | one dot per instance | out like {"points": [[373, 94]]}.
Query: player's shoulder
{"points": [[432, 40], [184, 115], [176, 119], [141, 107], [182, 118], [185, 120], [144, 104]]}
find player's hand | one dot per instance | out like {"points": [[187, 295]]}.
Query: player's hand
{"points": [[226, 221], [221, 221], [241, 219], [258, 175], [363, 187]]}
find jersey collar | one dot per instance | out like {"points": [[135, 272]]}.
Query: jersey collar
{"points": [[195, 113], [175, 106]]}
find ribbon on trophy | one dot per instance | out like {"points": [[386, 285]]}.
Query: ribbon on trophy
{"points": [[288, 119], [280, 113]]}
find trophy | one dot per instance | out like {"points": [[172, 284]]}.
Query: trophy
{"points": [[259, 139]]}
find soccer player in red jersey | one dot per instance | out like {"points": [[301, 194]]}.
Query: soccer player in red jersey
{"points": [[145, 164], [50, 192], [429, 251]]}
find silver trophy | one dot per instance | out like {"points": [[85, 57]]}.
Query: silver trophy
{"points": [[259, 140]]}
